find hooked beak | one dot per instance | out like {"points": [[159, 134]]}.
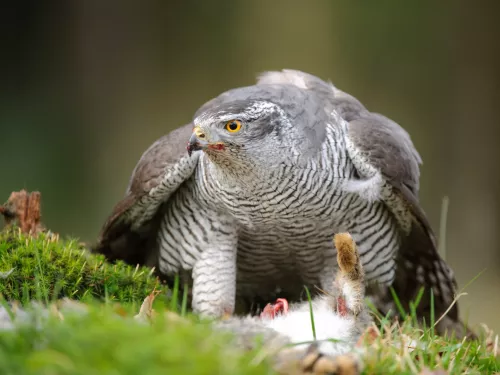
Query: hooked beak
{"points": [[198, 141]]}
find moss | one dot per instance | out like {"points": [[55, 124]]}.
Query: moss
{"points": [[102, 343], [45, 268]]}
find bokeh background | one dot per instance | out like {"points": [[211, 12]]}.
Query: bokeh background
{"points": [[86, 87]]}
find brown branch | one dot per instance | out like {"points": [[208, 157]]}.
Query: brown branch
{"points": [[23, 208]]}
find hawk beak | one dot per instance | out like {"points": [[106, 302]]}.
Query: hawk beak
{"points": [[197, 141]]}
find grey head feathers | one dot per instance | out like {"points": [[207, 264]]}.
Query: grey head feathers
{"points": [[302, 112]]}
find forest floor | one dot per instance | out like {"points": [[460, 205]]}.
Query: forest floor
{"points": [[65, 311]]}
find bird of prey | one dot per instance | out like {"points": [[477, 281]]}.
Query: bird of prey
{"points": [[244, 201]]}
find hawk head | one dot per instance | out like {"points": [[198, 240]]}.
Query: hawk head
{"points": [[265, 124], [242, 129]]}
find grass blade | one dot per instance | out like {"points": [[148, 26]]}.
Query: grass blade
{"points": [[398, 304], [175, 294], [311, 312], [442, 228], [184, 300], [432, 313]]}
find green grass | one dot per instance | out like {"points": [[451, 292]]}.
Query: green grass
{"points": [[102, 343], [108, 340], [406, 348]]}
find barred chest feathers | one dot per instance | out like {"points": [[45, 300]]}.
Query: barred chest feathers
{"points": [[277, 193], [290, 209]]}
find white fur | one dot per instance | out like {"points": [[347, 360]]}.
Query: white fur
{"points": [[296, 324], [352, 296]]}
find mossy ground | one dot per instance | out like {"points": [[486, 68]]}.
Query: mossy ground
{"points": [[101, 343], [106, 342], [46, 268]]}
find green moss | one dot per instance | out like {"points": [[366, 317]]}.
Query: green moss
{"points": [[102, 343], [45, 269]]}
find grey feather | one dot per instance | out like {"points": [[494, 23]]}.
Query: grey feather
{"points": [[161, 155], [388, 148], [129, 233]]}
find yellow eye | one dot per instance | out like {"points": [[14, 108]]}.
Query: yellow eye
{"points": [[233, 126]]}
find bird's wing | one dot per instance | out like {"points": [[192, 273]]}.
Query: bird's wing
{"points": [[129, 232], [387, 148], [384, 151]]}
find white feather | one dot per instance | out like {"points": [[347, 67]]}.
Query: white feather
{"points": [[287, 76], [368, 189]]}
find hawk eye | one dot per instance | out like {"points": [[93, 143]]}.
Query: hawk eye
{"points": [[233, 126]]}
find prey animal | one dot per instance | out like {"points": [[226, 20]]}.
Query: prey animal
{"points": [[271, 172], [339, 314], [340, 319]]}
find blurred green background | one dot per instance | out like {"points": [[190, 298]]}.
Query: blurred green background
{"points": [[87, 86]]}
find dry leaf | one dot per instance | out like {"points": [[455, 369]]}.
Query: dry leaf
{"points": [[369, 336], [146, 311], [55, 311], [491, 340]]}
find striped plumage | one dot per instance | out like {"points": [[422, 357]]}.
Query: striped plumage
{"points": [[274, 221], [252, 216]]}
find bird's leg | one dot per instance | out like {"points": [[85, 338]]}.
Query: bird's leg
{"points": [[214, 278]]}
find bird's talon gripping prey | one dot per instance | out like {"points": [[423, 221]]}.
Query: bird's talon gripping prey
{"points": [[273, 182], [273, 310]]}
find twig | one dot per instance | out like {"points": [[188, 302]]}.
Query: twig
{"points": [[449, 308]]}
